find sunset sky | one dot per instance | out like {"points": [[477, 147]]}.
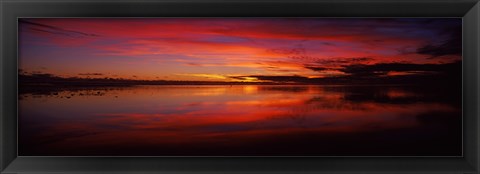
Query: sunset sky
{"points": [[236, 49]]}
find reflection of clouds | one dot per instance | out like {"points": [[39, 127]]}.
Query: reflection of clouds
{"points": [[396, 93], [267, 118], [202, 91], [272, 102], [295, 89], [179, 118]]}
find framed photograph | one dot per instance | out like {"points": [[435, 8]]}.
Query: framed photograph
{"points": [[231, 86]]}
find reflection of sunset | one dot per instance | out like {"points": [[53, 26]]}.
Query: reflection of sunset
{"points": [[240, 86], [151, 115]]}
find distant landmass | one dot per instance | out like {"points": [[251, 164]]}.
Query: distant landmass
{"points": [[449, 74]]}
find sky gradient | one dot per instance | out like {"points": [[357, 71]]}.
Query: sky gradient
{"points": [[237, 49]]}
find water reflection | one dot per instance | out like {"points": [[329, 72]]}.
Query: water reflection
{"points": [[241, 120]]}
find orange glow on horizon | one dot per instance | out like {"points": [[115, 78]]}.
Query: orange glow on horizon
{"points": [[212, 48]]}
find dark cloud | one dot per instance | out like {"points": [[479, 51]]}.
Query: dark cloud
{"points": [[194, 64], [40, 74], [383, 68], [377, 73], [346, 60], [288, 51], [275, 78], [303, 57], [91, 74], [316, 68], [55, 30], [282, 78], [451, 46], [321, 65], [298, 53]]}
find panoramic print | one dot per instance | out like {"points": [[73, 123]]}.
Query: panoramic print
{"points": [[240, 87]]}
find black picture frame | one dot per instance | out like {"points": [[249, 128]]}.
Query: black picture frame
{"points": [[10, 10]]}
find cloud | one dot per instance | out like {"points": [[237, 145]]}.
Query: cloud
{"points": [[287, 51], [90, 74], [451, 46], [307, 47], [316, 68], [55, 30], [379, 73], [347, 60], [384, 68], [294, 78], [209, 76]]}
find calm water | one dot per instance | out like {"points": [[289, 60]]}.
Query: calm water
{"points": [[241, 120]]}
